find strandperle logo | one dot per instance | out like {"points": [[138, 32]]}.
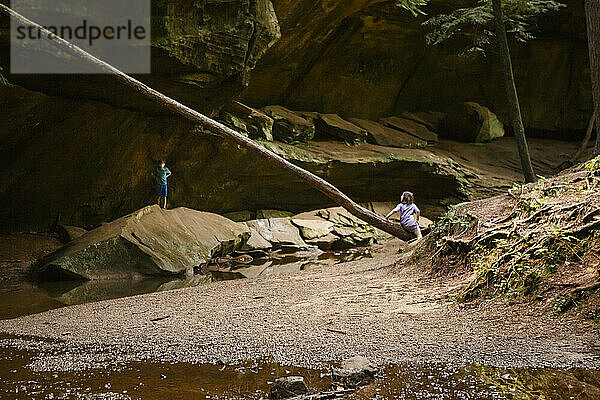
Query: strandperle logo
{"points": [[116, 31], [85, 31]]}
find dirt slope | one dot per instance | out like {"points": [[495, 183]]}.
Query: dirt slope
{"points": [[539, 242]]}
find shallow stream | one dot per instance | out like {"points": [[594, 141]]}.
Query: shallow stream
{"points": [[20, 378], [153, 380], [20, 297]]}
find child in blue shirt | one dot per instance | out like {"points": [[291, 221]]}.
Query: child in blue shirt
{"points": [[409, 214], [161, 173]]}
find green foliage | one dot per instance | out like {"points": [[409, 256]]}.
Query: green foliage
{"points": [[450, 223], [593, 164], [414, 6], [474, 25], [503, 268]]}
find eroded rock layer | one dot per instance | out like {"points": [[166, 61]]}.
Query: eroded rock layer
{"points": [[369, 59], [86, 162]]}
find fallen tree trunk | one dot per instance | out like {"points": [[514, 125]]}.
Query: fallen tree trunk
{"points": [[170, 104]]}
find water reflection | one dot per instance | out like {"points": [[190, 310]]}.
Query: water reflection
{"points": [[154, 380], [21, 297]]}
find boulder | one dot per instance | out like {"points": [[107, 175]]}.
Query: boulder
{"points": [[150, 241], [431, 119], [288, 386], [67, 233], [254, 123], [256, 242], [385, 136], [311, 229], [354, 372], [333, 126], [354, 236], [411, 127], [335, 228], [280, 232], [288, 126], [471, 122], [308, 115]]}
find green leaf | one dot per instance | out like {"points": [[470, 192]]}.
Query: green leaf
{"points": [[475, 24], [414, 6]]}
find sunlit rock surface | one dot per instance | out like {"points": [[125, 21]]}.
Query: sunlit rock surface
{"points": [[150, 241]]}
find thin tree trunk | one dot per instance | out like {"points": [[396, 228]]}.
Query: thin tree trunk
{"points": [[586, 140], [511, 92], [592, 12], [315, 181]]}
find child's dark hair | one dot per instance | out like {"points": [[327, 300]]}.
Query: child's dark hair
{"points": [[407, 198], [161, 161]]}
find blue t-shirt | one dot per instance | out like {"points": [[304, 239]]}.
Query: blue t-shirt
{"points": [[406, 215], [161, 175]]}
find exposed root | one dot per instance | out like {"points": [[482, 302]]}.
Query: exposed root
{"points": [[515, 242]]}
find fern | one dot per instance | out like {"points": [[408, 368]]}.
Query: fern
{"points": [[414, 6], [476, 23]]}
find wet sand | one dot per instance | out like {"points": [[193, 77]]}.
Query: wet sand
{"points": [[366, 307]]}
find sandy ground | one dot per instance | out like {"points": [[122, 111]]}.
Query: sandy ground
{"points": [[366, 307]]}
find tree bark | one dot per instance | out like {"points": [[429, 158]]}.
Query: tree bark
{"points": [[592, 12], [511, 92], [586, 140], [170, 104]]}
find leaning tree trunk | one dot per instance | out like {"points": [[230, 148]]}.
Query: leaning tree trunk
{"points": [[592, 11], [511, 92], [168, 103]]}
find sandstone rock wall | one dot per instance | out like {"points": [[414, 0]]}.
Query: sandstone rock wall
{"points": [[202, 52], [368, 59], [91, 162]]}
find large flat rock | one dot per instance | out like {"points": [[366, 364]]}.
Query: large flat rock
{"points": [[333, 126], [471, 122], [411, 127], [280, 232], [385, 136], [150, 241], [289, 126], [248, 121]]}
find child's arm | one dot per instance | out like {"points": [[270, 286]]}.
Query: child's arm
{"points": [[417, 215], [395, 210]]}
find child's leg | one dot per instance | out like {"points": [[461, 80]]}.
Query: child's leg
{"points": [[165, 206], [418, 233], [158, 200]]}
